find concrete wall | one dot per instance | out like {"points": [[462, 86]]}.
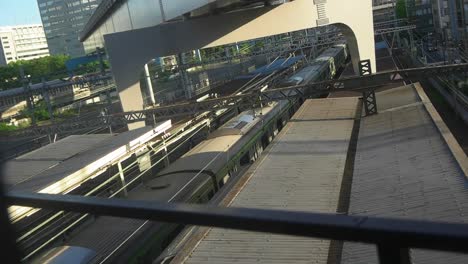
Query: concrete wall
{"points": [[129, 51]]}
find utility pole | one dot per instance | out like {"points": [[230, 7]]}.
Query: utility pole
{"points": [[29, 96], [45, 95], [149, 85]]}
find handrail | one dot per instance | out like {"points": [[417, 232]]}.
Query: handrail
{"points": [[393, 237]]}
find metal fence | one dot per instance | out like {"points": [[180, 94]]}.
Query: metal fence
{"points": [[393, 237]]}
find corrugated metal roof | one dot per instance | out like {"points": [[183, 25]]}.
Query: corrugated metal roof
{"points": [[302, 171], [404, 169], [34, 163]]}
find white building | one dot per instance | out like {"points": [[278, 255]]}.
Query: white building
{"points": [[25, 42]]}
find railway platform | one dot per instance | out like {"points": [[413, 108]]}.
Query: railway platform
{"points": [[401, 162]]}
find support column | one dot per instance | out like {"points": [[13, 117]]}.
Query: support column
{"points": [[46, 97], [30, 96], [149, 85]]}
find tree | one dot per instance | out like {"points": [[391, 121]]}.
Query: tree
{"points": [[401, 9], [49, 68]]}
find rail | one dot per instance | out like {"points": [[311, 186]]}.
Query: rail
{"points": [[393, 237]]}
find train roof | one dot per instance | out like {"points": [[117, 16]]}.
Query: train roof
{"points": [[329, 53], [278, 64], [238, 125], [61, 166]]}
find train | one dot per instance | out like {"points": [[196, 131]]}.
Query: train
{"points": [[198, 175], [325, 66]]}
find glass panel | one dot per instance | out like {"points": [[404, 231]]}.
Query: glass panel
{"points": [[121, 19], [144, 13]]}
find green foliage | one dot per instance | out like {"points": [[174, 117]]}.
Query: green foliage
{"points": [[91, 67], [66, 113], [51, 68], [41, 112], [4, 127], [401, 9]]}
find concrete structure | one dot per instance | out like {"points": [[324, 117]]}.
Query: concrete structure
{"points": [[25, 42], [63, 20], [142, 35]]}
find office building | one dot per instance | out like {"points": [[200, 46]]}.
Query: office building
{"points": [[63, 21], [25, 42]]}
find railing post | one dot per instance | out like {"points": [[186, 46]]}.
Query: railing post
{"points": [[393, 254], [122, 178]]}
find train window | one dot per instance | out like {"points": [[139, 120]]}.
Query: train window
{"points": [[221, 182], [279, 124], [265, 140], [245, 159], [225, 179]]}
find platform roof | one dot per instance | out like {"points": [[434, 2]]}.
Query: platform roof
{"points": [[404, 168], [302, 170]]}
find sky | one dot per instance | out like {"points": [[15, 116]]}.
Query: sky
{"points": [[19, 12]]}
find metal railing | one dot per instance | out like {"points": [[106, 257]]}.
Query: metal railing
{"points": [[393, 237]]}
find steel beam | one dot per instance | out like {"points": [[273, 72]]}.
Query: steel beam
{"points": [[370, 102], [394, 21], [393, 29], [368, 96], [357, 84]]}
